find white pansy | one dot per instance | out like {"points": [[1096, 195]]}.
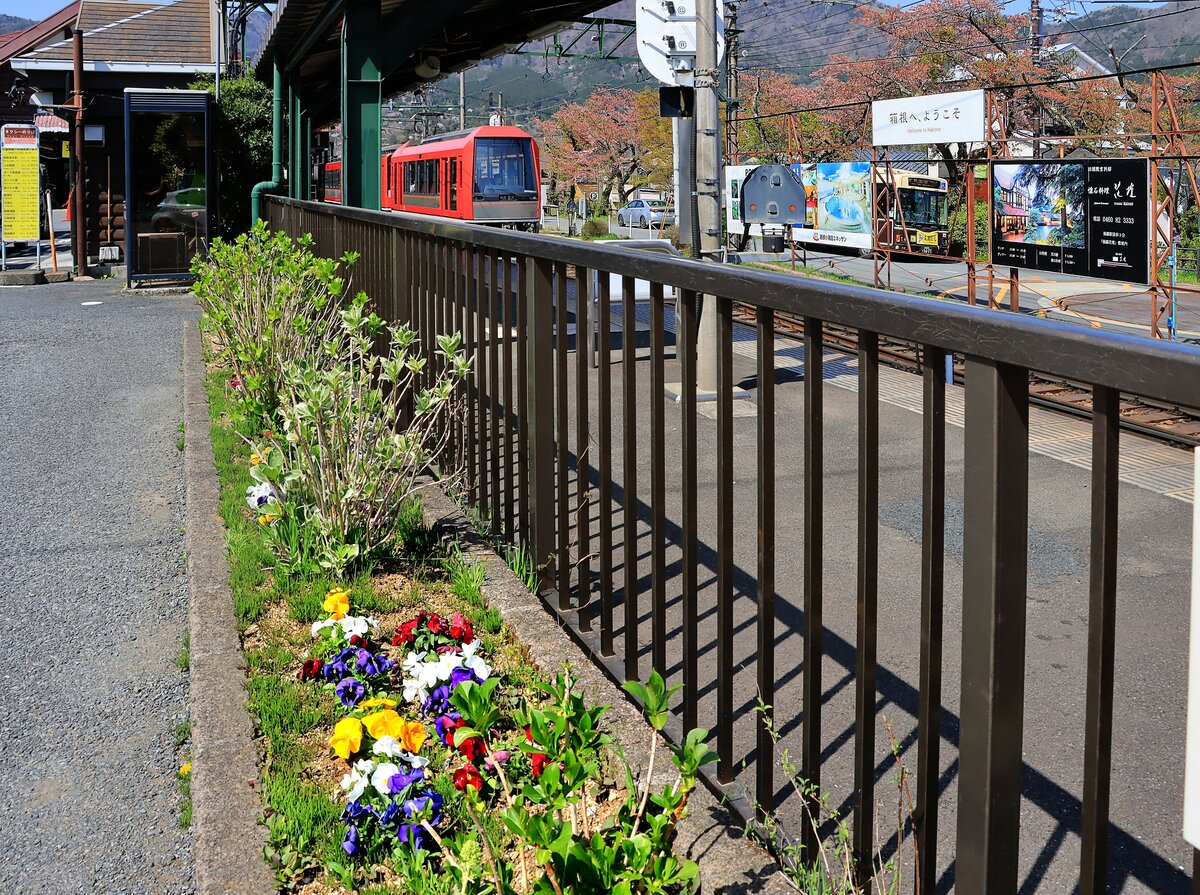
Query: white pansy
{"points": [[421, 676], [255, 494], [318, 627], [474, 662], [382, 775], [355, 783], [412, 760], [388, 746], [357, 625]]}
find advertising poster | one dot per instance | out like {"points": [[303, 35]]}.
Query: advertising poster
{"points": [[19, 181], [808, 176], [843, 206], [1086, 218]]}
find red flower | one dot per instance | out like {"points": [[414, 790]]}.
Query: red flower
{"points": [[435, 624], [468, 776], [461, 629], [359, 640], [472, 748], [538, 759], [310, 669], [407, 633]]}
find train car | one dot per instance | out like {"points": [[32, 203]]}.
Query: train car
{"points": [[916, 215], [486, 175], [327, 182]]}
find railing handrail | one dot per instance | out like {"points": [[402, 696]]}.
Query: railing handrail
{"points": [[1150, 368]]}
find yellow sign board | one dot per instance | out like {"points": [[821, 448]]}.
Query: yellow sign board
{"points": [[926, 239], [19, 182]]}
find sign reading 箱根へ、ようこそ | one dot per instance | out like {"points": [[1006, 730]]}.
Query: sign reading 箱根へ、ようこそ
{"points": [[959, 117]]}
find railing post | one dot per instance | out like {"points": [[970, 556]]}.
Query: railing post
{"points": [[996, 501], [539, 383]]}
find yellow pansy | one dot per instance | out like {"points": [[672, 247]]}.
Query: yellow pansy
{"points": [[262, 520], [347, 737], [376, 701], [384, 724], [412, 736], [337, 604], [255, 459]]}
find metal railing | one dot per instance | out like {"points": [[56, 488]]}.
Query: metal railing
{"points": [[537, 447]]}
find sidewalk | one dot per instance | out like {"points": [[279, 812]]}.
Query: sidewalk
{"points": [[93, 595]]}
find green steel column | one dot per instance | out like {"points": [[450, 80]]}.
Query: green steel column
{"points": [[266, 186], [299, 173], [361, 104]]}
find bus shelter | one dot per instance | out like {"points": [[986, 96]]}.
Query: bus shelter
{"points": [[169, 165]]}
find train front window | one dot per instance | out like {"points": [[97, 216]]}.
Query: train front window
{"points": [[504, 169], [922, 208]]}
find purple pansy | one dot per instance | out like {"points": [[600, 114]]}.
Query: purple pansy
{"points": [[442, 728], [411, 834], [350, 690], [350, 843], [397, 783]]}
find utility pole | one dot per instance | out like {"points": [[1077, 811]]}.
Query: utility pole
{"points": [[462, 101], [708, 181], [1035, 31], [1035, 55], [731, 85], [80, 209]]}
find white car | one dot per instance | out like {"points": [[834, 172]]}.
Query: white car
{"points": [[644, 213]]}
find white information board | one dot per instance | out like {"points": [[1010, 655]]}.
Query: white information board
{"points": [[959, 117], [1191, 773]]}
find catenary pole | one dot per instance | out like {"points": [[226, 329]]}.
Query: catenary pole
{"points": [[708, 181]]}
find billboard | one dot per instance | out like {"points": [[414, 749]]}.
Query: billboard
{"points": [[1088, 217], [841, 214], [959, 117], [20, 176]]}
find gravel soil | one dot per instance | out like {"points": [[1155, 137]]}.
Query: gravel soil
{"points": [[93, 597]]}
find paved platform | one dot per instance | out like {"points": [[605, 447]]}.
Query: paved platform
{"points": [[1148, 852], [93, 599]]}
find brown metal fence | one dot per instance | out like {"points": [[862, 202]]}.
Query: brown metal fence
{"points": [[537, 447]]}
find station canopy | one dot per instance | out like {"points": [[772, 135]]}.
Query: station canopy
{"points": [[455, 33]]}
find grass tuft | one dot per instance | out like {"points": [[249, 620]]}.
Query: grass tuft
{"points": [[183, 661]]}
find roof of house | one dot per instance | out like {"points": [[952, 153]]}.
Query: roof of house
{"points": [[54, 25], [176, 35]]}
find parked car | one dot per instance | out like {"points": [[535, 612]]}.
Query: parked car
{"points": [[644, 213]]}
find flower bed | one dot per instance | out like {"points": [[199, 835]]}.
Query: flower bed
{"points": [[407, 745]]}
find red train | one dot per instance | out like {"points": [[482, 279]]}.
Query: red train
{"points": [[488, 175]]}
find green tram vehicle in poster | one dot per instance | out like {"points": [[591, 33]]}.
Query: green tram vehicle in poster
{"points": [[914, 212]]}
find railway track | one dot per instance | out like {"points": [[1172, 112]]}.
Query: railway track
{"points": [[1174, 425]]}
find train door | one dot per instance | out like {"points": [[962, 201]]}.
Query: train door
{"points": [[452, 184]]}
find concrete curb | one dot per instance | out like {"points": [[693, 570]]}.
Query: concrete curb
{"points": [[710, 835], [225, 804]]}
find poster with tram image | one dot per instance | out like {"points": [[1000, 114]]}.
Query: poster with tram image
{"points": [[842, 212], [1087, 218]]}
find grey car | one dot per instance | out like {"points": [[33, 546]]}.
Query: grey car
{"points": [[644, 213]]}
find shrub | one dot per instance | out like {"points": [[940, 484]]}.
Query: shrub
{"points": [[272, 304], [357, 433], [593, 228]]}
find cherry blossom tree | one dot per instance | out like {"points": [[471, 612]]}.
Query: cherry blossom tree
{"points": [[603, 140]]}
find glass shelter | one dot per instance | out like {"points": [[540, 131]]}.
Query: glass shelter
{"points": [[168, 168]]}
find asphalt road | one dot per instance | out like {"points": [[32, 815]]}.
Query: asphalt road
{"points": [[93, 599]]}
